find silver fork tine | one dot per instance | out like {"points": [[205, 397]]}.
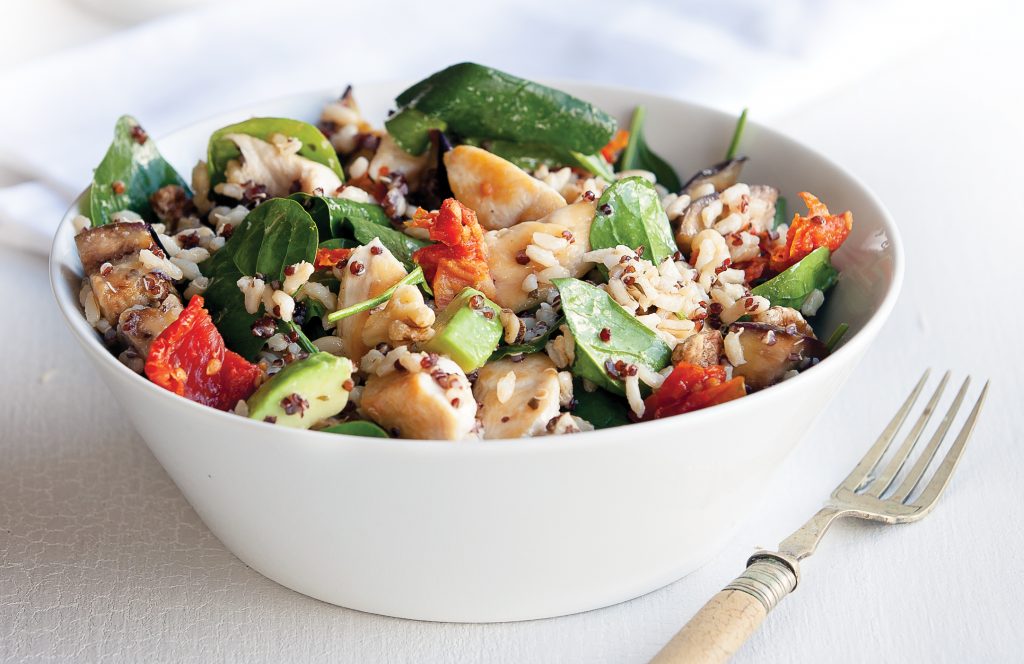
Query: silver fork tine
{"points": [[882, 482], [913, 478], [938, 482], [859, 474]]}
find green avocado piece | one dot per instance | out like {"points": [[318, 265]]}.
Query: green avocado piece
{"points": [[304, 392], [465, 333]]}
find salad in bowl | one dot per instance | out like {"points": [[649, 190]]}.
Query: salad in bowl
{"points": [[497, 260]]}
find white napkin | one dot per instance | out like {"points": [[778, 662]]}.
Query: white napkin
{"points": [[58, 112]]}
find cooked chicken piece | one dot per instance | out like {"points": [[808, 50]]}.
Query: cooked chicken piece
{"points": [[436, 403], [703, 349], [119, 278], [139, 325], [278, 166], [396, 160], [111, 243], [501, 193], [531, 396], [370, 271], [784, 317], [506, 251]]}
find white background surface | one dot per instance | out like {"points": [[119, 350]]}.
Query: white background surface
{"points": [[101, 557]]}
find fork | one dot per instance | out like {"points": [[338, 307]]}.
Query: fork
{"points": [[734, 614]]}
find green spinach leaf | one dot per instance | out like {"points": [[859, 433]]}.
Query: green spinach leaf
{"points": [[132, 166], [315, 145], [634, 218], [588, 310], [531, 156], [332, 215], [276, 234], [791, 287], [470, 100], [397, 242], [339, 243], [600, 408], [358, 428], [638, 155]]}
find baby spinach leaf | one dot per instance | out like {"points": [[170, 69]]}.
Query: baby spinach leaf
{"points": [[638, 155], [531, 156], [600, 408], [397, 242], [414, 277], [339, 243], [528, 347], [276, 234], [780, 212], [588, 310], [791, 287], [471, 100], [634, 217], [132, 166], [737, 134], [358, 428], [315, 145], [332, 215]]}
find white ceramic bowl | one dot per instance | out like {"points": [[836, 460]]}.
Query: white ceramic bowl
{"points": [[514, 529]]}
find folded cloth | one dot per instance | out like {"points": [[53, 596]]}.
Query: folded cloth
{"points": [[772, 56]]}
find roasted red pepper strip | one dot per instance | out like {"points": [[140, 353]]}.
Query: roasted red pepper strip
{"points": [[189, 358], [692, 387], [459, 256], [817, 229], [328, 258]]}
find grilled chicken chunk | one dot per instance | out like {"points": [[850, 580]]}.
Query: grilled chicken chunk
{"points": [[501, 193], [119, 279], [506, 247], [435, 403], [532, 403], [392, 159], [370, 271], [278, 167]]}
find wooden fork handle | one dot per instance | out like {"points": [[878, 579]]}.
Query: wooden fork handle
{"points": [[733, 615]]}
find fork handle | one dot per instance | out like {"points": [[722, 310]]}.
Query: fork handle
{"points": [[733, 615]]}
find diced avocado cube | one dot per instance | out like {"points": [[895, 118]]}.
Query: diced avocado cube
{"points": [[468, 330], [304, 392]]}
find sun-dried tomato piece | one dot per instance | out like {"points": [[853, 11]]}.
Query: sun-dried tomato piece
{"points": [[692, 387], [615, 146], [189, 358], [817, 229], [459, 256], [328, 258]]}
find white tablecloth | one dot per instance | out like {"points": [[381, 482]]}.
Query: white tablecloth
{"points": [[102, 558]]}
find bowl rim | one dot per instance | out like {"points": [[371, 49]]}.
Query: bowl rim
{"points": [[855, 343]]}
